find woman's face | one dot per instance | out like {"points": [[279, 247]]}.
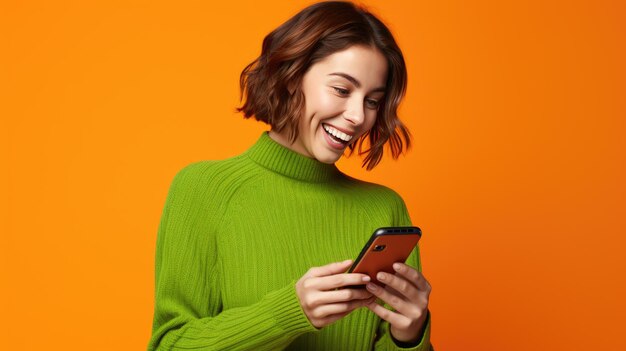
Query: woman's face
{"points": [[342, 94]]}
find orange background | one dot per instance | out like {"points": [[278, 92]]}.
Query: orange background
{"points": [[516, 176]]}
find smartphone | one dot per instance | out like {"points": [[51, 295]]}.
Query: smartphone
{"points": [[385, 247]]}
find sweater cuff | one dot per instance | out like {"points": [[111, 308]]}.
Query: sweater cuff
{"points": [[423, 345], [286, 310]]}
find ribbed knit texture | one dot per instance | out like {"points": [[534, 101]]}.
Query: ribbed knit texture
{"points": [[235, 236]]}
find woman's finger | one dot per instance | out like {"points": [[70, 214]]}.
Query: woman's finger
{"points": [[336, 281], [343, 295], [396, 301], [412, 275], [329, 269], [393, 318], [400, 285], [339, 308]]}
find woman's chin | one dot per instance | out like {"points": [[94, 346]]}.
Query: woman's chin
{"points": [[327, 157], [326, 152]]}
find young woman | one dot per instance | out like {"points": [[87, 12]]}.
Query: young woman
{"points": [[250, 249]]}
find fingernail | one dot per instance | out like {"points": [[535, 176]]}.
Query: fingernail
{"points": [[366, 278], [371, 287], [380, 276], [397, 267]]}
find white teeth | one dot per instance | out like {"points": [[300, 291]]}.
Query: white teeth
{"points": [[338, 134]]}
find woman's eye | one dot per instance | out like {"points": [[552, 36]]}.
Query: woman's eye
{"points": [[341, 91], [373, 103]]}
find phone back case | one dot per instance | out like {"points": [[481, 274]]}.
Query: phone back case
{"points": [[386, 246]]}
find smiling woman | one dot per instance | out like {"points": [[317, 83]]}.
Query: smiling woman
{"points": [[251, 249], [339, 108], [336, 33]]}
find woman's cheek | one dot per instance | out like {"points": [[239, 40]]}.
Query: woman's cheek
{"points": [[328, 102]]}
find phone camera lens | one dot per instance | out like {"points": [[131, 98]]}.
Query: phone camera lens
{"points": [[379, 247]]}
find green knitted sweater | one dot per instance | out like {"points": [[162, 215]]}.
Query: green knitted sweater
{"points": [[236, 234]]}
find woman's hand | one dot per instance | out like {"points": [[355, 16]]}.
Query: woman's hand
{"points": [[407, 292], [321, 303]]}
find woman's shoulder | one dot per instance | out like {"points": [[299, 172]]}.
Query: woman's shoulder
{"points": [[205, 166], [377, 200], [375, 191], [211, 172]]}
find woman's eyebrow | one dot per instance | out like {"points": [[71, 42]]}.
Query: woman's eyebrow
{"points": [[355, 81]]}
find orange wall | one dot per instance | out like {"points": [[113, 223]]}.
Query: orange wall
{"points": [[516, 176]]}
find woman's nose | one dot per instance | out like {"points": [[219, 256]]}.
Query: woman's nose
{"points": [[355, 113]]}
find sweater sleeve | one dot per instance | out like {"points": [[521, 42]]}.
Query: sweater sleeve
{"points": [[188, 310], [385, 340]]}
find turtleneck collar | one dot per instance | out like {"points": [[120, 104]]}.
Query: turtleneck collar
{"points": [[280, 159]]}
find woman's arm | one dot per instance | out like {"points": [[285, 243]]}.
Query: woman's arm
{"points": [[385, 340], [188, 311]]}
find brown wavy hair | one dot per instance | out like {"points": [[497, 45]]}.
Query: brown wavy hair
{"points": [[272, 81]]}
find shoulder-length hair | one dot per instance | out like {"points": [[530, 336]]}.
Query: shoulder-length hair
{"points": [[272, 81]]}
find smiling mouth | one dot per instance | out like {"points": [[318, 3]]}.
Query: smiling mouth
{"points": [[337, 135]]}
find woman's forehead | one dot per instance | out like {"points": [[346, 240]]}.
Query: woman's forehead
{"points": [[362, 66]]}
